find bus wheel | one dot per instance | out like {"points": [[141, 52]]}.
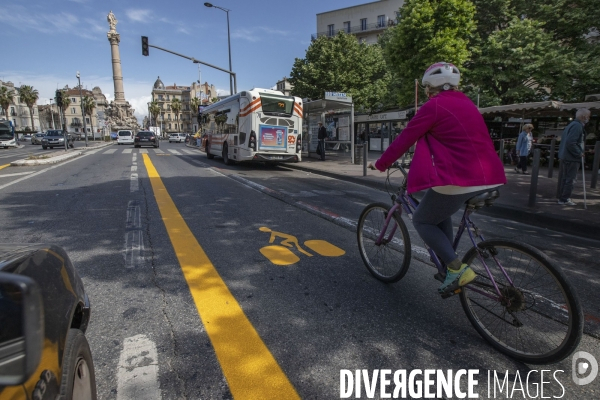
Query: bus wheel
{"points": [[226, 159], [208, 154]]}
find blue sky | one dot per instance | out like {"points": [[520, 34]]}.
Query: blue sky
{"points": [[45, 43]]}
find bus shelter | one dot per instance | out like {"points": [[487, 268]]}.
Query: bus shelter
{"points": [[337, 115]]}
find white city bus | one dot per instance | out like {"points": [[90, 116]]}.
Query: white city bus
{"points": [[258, 125]]}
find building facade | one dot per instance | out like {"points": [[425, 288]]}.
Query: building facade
{"points": [[73, 117], [366, 21], [186, 121], [18, 112], [284, 86]]}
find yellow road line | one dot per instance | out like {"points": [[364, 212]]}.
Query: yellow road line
{"points": [[4, 166], [249, 367]]}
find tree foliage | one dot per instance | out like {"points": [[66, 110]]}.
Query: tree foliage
{"points": [[533, 50], [341, 64], [29, 96], [6, 98], [428, 31]]}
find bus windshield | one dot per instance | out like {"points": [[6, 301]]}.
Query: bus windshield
{"points": [[6, 131], [273, 104]]}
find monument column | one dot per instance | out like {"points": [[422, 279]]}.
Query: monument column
{"points": [[114, 38]]}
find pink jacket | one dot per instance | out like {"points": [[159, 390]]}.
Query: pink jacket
{"points": [[453, 146]]}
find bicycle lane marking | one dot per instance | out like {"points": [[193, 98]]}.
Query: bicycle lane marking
{"points": [[249, 367]]}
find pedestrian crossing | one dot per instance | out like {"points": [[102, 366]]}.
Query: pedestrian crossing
{"points": [[175, 152]]}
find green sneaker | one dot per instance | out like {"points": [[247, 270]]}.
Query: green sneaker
{"points": [[456, 278]]}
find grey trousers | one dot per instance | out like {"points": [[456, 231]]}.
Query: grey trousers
{"points": [[569, 172], [433, 221]]}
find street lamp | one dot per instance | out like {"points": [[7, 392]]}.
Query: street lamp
{"points": [[228, 43], [82, 111], [52, 114]]}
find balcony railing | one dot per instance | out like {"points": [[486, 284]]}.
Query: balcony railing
{"points": [[76, 123], [356, 30]]}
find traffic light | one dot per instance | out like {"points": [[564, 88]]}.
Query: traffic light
{"points": [[145, 46], [59, 99]]}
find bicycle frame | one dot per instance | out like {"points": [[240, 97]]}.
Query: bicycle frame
{"points": [[404, 202]]}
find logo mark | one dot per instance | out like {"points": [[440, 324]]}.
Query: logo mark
{"points": [[581, 368]]}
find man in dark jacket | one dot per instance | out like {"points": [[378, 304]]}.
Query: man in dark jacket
{"points": [[571, 152], [322, 135]]}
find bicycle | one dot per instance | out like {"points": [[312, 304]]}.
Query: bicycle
{"points": [[520, 302]]}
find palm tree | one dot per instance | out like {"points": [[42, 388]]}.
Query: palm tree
{"points": [[154, 111], [176, 108], [6, 97], [66, 102], [88, 103], [195, 102], [29, 96]]}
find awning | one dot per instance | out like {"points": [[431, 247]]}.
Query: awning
{"points": [[541, 108]]}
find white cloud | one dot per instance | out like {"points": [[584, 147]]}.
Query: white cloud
{"points": [[258, 33], [138, 15]]}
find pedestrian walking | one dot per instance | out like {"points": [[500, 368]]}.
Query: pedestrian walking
{"points": [[571, 153], [321, 136], [524, 147]]}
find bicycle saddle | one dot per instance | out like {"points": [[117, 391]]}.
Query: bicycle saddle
{"points": [[483, 199]]}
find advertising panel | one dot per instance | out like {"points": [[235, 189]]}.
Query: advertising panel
{"points": [[272, 137]]}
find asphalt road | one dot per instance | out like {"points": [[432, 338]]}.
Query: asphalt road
{"points": [[142, 250], [28, 149]]}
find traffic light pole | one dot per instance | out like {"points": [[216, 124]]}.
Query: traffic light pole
{"points": [[195, 61]]}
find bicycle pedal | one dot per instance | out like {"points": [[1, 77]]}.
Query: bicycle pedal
{"points": [[440, 277], [450, 294]]}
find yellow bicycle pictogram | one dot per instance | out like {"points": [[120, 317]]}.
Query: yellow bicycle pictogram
{"points": [[280, 254]]}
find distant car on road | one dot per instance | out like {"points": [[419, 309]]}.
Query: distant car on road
{"points": [[44, 314], [125, 137], [37, 138], [55, 138], [113, 136], [177, 137], [145, 138]]}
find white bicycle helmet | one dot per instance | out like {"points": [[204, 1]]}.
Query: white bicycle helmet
{"points": [[441, 74]]}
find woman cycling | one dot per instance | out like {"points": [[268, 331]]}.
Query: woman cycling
{"points": [[454, 160]]}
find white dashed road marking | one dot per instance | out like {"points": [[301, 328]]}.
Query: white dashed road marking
{"points": [[137, 374]]}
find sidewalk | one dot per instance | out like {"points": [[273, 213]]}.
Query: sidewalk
{"points": [[512, 203], [56, 156]]}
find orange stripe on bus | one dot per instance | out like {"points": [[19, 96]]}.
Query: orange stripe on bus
{"points": [[250, 111], [250, 105]]}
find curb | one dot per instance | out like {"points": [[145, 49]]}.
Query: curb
{"points": [[57, 159], [527, 216]]}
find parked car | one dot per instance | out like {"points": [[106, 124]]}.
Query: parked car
{"points": [[55, 138], [125, 137], [145, 138], [44, 314], [37, 138], [177, 137]]}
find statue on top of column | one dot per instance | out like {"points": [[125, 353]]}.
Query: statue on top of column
{"points": [[112, 21]]}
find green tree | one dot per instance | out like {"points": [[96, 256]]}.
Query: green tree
{"points": [[66, 102], [154, 111], [195, 103], [428, 31], [176, 108], [342, 64], [533, 50], [89, 104], [7, 97], [29, 96]]}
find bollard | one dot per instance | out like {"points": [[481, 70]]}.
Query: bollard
{"points": [[534, 177], [502, 151], [595, 166], [551, 157], [560, 175], [365, 159]]}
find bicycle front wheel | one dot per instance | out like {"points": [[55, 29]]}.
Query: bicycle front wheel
{"points": [[537, 318], [389, 260]]}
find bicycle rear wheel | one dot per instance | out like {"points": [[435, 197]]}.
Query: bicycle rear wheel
{"points": [[538, 318], [390, 260]]}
